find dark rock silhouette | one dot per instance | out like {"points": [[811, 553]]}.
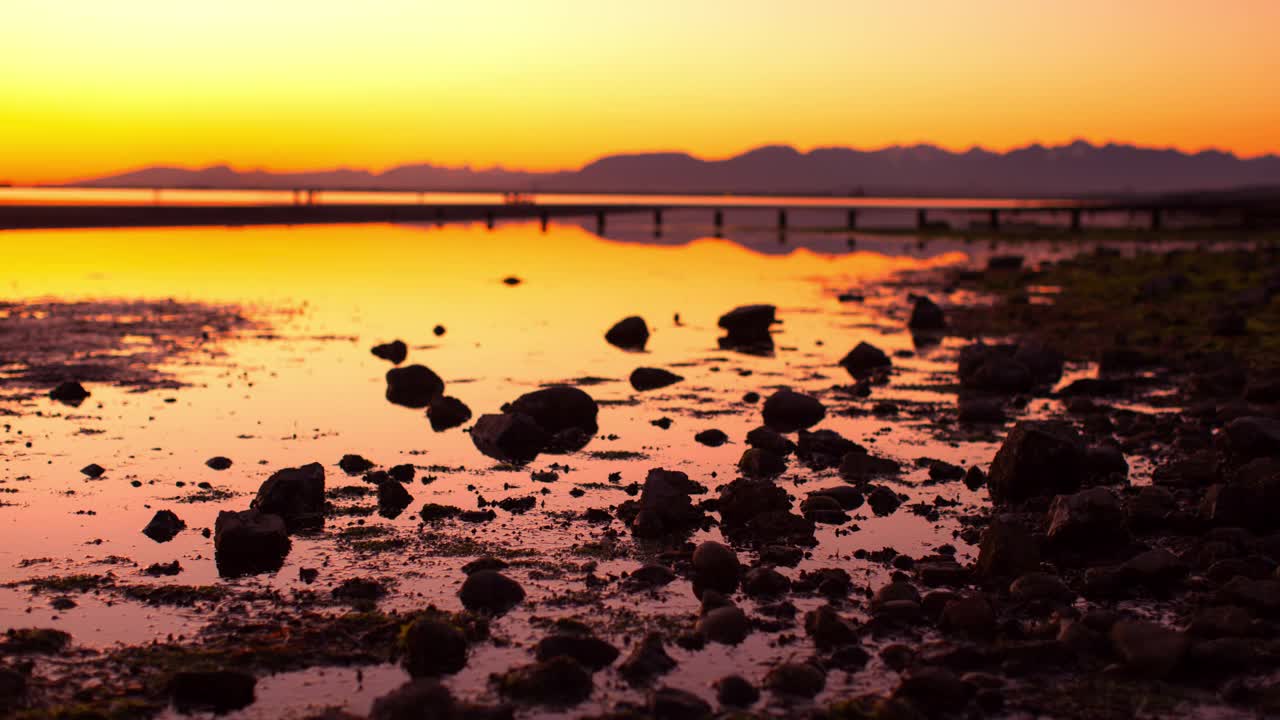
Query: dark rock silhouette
{"points": [[413, 386], [249, 542], [629, 334], [295, 494], [646, 378], [69, 393], [395, 351]]}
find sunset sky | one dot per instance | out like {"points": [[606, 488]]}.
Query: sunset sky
{"points": [[92, 87]]}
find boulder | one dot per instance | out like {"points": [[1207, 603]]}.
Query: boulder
{"points": [[798, 679], [422, 699], [490, 591], [861, 466], [218, 691], [295, 494], [629, 333], [711, 438], [413, 386], [1037, 458], [665, 506], [1007, 550], [1253, 437], [1087, 522], [647, 378], [558, 409], [559, 681], [355, 464], [749, 323], [164, 525], [788, 411], [746, 498], [673, 704], [758, 463], [1147, 648], [828, 629], [926, 315], [716, 567], [769, 439], [249, 542], [765, 582], [69, 393], [510, 437], [446, 411], [736, 691], [726, 625], [393, 498], [865, 360], [823, 449], [647, 659], [589, 651], [394, 352], [434, 647]]}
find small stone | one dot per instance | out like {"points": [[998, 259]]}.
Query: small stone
{"points": [[413, 386], [69, 393], [736, 691], [629, 333], [647, 659], [433, 647], [93, 470], [445, 412], [394, 352], [788, 411], [1148, 649], [726, 625], [218, 462], [164, 526], [490, 591], [798, 679], [354, 464], [711, 438]]}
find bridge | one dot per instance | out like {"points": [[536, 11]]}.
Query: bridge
{"points": [[152, 208]]}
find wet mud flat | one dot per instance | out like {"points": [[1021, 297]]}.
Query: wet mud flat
{"points": [[932, 495]]}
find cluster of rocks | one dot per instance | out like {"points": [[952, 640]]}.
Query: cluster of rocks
{"points": [[555, 419]]}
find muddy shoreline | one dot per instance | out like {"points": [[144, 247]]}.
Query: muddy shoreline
{"points": [[1086, 502]]}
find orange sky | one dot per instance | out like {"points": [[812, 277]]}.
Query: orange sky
{"points": [[90, 87]]}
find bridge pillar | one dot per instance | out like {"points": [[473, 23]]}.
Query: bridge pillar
{"points": [[488, 220], [718, 221], [1155, 218], [782, 219], [600, 222], [852, 223], [1077, 218], [543, 218], [922, 219], [657, 222], [995, 219]]}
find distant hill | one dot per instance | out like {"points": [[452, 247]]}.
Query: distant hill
{"points": [[1079, 168]]}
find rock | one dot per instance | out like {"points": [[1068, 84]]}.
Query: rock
{"points": [[824, 449], [934, 690], [402, 473], [490, 591], [970, 616], [828, 630], [164, 526], [422, 699], [629, 333], [1088, 521], [748, 324], [824, 509], [413, 386], [1041, 587], [1148, 649], [798, 679], [647, 378], [446, 411], [510, 437], [788, 411], [394, 352], [218, 691], [168, 569], [993, 368], [1253, 437], [711, 438], [716, 567], [765, 582], [13, 686], [249, 542], [771, 440], [487, 562], [392, 498], [865, 360], [69, 393], [736, 691], [559, 409], [650, 576], [434, 647], [1106, 461], [92, 470], [1246, 502], [1004, 262], [976, 408], [1260, 595], [218, 462], [665, 506], [846, 496], [746, 498], [295, 494], [883, 501], [859, 467], [758, 463], [1007, 550], [926, 315], [672, 704], [590, 652], [438, 330], [974, 478], [894, 592], [647, 659], [725, 625], [1037, 458], [1196, 470], [1155, 569], [1222, 621], [354, 464]]}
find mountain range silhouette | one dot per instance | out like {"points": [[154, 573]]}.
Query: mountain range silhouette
{"points": [[1076, 169]]}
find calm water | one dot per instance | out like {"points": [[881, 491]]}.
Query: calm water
{"points": [[301, 386]]}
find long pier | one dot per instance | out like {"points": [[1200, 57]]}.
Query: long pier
{"points": [[304, 209]]}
